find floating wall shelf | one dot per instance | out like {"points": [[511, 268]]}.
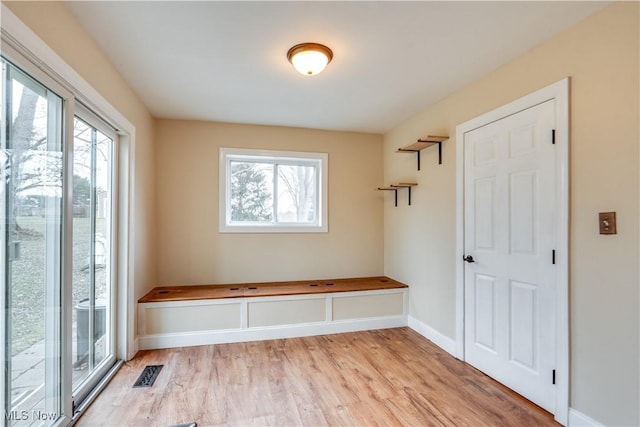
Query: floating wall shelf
{"points": [[396, 187], [422, 143]]}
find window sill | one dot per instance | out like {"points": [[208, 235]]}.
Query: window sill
{"points": [[257, 229]]}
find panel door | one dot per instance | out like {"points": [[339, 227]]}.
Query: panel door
{"points": [[510, 233]]}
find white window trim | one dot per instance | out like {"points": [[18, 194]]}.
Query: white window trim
{"points": [[323, 179]]}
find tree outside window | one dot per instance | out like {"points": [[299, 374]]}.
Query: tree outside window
{"points": [[265, 191]]}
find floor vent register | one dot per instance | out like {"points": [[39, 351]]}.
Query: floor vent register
{"points": [[148, 376]]}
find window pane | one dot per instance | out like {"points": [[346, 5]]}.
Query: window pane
{"points": [[91, 249], [82, 271], [268, 191], [251, 197], [102, 247], [31, 238], [297, 194]]}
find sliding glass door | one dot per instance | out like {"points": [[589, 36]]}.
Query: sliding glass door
{"points": [[57, 297], [92, 296], [32, 185]]}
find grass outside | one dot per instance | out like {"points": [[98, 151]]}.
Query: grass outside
{"points": [[28, 280]]}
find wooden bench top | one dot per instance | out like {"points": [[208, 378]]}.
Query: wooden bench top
{"points": [[299, 287]]}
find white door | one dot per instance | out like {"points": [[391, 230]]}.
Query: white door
{"points": [[510, 224]]}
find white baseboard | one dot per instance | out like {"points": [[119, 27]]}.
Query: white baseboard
{"points": [[577, 418], [442, 341], [186, 339], [134, 349]]}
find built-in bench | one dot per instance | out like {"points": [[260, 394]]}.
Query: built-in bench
{"points": [[178, 316]]}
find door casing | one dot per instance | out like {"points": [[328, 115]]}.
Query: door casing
{"points": [[559, 92]]}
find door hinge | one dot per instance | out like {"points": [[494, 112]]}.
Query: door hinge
{"points": [[553, 136], [553, 377], [553, 256]]}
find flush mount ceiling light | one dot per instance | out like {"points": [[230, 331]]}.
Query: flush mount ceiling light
{"points": [[309, 58]]}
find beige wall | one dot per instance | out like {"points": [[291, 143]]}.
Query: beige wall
{"points": [[191, 250], [54, 24], [601, 56]]}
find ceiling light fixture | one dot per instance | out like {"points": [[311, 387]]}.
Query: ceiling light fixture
{"points": [[309, 58]]}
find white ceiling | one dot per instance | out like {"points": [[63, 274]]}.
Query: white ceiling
{"points": [[226, 61]]}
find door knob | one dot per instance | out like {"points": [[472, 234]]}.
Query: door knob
{"points": [[468, 258]]}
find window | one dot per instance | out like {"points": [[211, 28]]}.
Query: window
{"points": [[272, 191]]}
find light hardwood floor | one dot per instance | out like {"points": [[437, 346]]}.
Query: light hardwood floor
{"points": [[384, 377]]}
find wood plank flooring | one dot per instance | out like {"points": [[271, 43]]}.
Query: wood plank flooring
{"points": [[385, 377]]}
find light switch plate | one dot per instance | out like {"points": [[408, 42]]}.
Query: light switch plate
{"points": [[607, 222]]}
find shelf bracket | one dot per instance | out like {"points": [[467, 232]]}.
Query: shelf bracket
{"points": [[395, 190], [439, 151], [396, 187], [408, 187], [422, 143], [404, 150]]}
